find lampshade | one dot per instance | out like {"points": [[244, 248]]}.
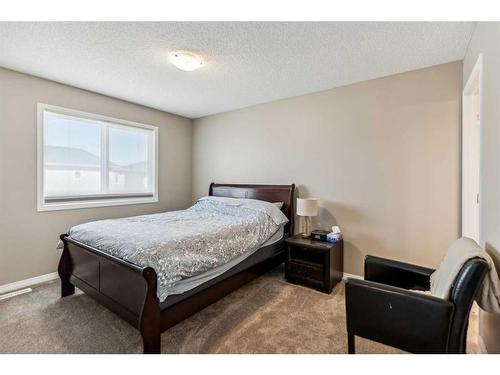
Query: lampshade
{"points": [[307, 207]]}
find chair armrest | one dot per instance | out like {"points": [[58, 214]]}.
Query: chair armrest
{"points": [[411, 321], [402, 275]]}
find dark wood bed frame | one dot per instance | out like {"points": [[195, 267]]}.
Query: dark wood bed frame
{"points": [[130, 291]]}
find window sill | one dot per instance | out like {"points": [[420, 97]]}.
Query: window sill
{"points": [[44, 206]]}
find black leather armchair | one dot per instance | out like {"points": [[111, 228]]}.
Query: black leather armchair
{"points": [[383, 309]]}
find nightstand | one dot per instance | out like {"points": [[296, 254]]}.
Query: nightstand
{"points": [[314, 263]]}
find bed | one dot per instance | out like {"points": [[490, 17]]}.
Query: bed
{"points": [[131, 288]]}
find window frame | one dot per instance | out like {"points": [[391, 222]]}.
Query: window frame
{"points": [[101, 200]]}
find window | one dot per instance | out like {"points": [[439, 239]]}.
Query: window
{"points": [[87, 160]]}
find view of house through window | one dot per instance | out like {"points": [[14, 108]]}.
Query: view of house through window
{"points": [[87, 160]]}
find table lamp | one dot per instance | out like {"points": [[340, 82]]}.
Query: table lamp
{"points": [[307, 207]]}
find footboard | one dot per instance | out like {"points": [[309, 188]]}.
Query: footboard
{"points": [[126, 289]]}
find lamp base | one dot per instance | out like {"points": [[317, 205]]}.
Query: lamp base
{"points": [[306, 226]]}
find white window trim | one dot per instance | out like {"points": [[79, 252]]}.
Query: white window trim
{"points": [[101, 202]]}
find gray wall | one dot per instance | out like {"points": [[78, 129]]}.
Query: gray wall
{"points": [[27, 237], [383, 157], [486, 40]]}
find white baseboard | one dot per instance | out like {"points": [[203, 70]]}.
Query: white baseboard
{"points": [[15, 293], [482, 346], [346, 275], [6, 288]]}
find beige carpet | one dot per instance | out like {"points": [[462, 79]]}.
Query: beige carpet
{"points": [[267, 315]]}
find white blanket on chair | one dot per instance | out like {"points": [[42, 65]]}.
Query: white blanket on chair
{"points": [[457, 255]]}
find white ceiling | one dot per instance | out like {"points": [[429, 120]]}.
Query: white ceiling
{"points": [[247, 63]]}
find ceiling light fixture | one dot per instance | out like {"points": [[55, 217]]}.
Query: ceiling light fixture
{"points": [[185, 60]]}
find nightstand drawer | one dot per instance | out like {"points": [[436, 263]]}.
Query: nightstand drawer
{"points": [[301, 254], [306, 270]]}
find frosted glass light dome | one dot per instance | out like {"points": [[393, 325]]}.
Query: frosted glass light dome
{"points": [[185, 60]]}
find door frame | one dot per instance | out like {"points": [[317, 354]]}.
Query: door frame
{"points": [[474, 83]]}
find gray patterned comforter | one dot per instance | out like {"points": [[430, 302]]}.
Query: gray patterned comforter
{"points": [[182, 244]]}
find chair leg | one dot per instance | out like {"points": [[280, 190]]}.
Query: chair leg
{"points": [[350, 344]]}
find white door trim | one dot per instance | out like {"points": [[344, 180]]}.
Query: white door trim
{"points": [[471, 153]]}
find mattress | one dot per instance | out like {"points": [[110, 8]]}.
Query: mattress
{"points": [[255, 258], [187, 284]]}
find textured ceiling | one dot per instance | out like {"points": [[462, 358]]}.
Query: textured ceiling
{"points": [[246, 63]]}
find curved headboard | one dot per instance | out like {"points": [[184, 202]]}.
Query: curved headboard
{"points": [[268, 193]]}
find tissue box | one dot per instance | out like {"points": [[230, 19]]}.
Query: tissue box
{"points": [[334, 237]]}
